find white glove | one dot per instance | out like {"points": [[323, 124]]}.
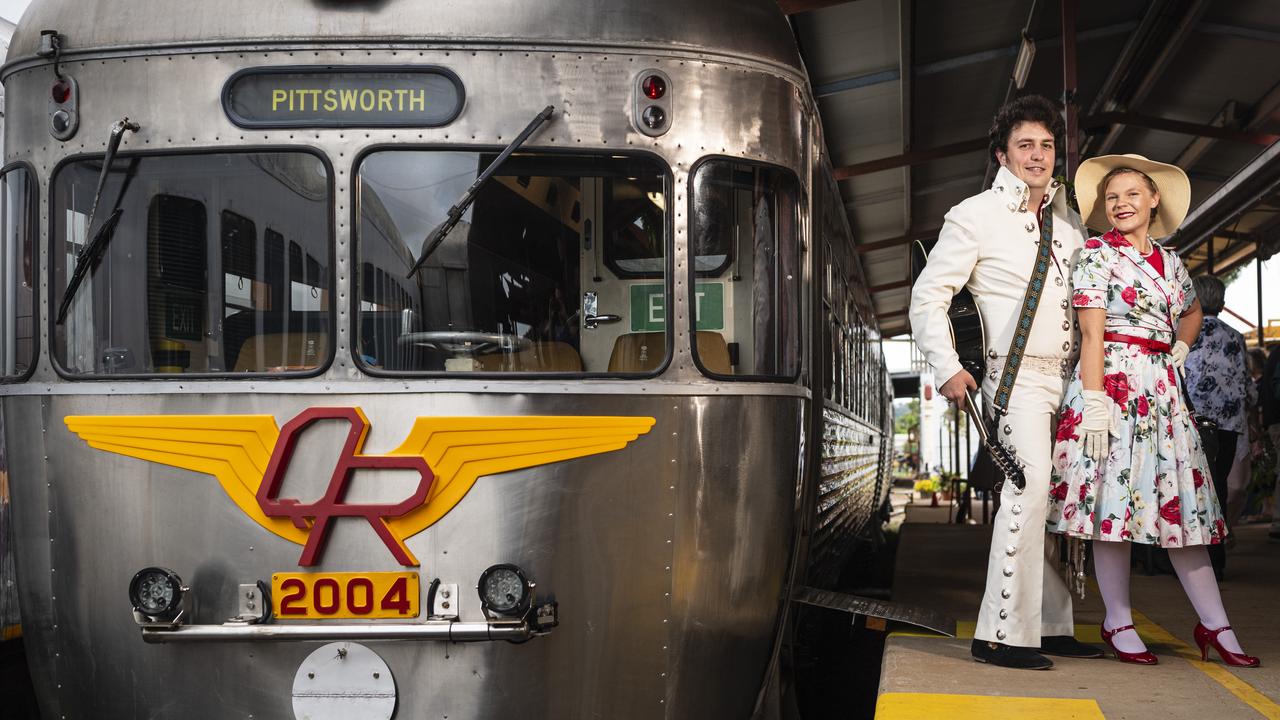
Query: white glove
{"points": [[1096, 425], [1179, 353]]}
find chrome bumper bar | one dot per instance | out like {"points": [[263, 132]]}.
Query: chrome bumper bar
{"points": [[447, 631]]}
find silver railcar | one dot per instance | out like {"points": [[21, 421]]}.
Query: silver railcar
{"points": [[284, 436]]}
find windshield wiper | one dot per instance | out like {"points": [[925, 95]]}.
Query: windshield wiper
{"points": [[455, 213], [88, 256]]}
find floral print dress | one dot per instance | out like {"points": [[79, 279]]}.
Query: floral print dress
{"points": [[1153, 486]]}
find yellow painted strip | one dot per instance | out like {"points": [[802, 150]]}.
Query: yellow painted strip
{"points": [[913, 706], [1153, 633], [964, 631], [966, 628], [10, 632]]}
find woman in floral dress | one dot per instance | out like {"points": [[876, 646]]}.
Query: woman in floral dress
{"points": [[1127, 461]]}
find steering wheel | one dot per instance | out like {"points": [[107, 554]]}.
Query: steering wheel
{"points": [[466, 342]]}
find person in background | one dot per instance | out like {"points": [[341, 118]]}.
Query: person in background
{"points": [[1269, 398], [1240, 492], [1220, 389]]}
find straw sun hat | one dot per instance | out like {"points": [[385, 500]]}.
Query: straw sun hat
{"points": [[1171, 183]]}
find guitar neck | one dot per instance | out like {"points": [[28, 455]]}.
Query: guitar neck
{"points": [[971, 405]]}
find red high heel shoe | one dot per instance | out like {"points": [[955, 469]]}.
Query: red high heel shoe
{"points": [[1139, 658], [1206, 637]]}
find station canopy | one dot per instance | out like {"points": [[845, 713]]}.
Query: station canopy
{"points": [[907, 89]]}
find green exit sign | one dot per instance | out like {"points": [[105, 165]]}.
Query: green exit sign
{"points": [[649, 311]]}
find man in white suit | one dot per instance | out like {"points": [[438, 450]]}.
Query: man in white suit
{"points": [[989, 243]]}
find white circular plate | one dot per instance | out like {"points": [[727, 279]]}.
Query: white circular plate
{"points": [[344, 680]]}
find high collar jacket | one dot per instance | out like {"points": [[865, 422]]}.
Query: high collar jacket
{"points": [[988, 243]]}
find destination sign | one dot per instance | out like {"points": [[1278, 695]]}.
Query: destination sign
{"points": [[342, 97]]}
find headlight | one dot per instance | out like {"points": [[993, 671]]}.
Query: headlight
{"points": [[156, 592], [504, 590]]}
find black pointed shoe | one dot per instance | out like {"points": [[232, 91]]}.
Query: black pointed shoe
{"points": [[1020, 658], [1068, 646]]}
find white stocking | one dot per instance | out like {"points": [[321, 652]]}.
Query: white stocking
{"points": [[1196, 574], [1111, 564]]}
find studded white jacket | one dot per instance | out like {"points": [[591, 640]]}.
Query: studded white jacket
{"points": [[988, 243]]}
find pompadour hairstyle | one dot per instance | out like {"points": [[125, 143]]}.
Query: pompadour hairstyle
{"points": [[1028, 108]]}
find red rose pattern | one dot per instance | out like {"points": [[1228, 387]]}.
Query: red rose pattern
{"points": [[1171, 511], [1199, 479], [1093, 243], [1143, 406], [1067, 425], [1129, 295], [1079, 300], [1059, 492], [1117, 387], [1106, 526]]}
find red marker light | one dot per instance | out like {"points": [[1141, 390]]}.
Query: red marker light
{"points": [[61, 91], [654, 87]]}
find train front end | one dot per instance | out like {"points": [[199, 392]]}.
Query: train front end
{"points": [[343, 379]]}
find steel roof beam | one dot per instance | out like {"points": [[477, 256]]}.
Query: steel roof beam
{"points": [[906, 25], [940, 66], [1255, 118], [1163, 30], [896, 241], [793, 7], [1252, 184], [895, 285], [1122, 119], [914, 157]]}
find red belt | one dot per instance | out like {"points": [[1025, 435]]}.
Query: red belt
{"points": [[1139, 341]]}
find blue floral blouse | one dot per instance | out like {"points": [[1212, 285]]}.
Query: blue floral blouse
{"points": [[1218, 376]]}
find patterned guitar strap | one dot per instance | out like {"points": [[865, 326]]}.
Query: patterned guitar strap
{"points": [[1022, 332]]}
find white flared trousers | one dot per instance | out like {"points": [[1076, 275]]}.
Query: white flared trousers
{"points": [[1026, 597]]}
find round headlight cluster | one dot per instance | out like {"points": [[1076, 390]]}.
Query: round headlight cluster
{"points": [[504, 590], [156, 592]]}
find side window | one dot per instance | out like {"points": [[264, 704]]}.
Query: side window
{"points": [[745, 217], [17, 272], [200, 275]]}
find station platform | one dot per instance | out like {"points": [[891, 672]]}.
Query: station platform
{"points": [[942, 566]]}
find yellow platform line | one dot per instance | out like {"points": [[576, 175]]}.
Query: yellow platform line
{"points": [[966, 628], [913, 706], [1247, 693]]}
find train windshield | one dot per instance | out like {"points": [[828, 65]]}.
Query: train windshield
{"points": [[559, 266], [17, 272], [743, 230], [219, 264]]}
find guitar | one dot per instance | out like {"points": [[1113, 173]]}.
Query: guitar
{"points": [[969, 339]]}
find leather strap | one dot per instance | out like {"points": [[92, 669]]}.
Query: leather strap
{"points": [[1030, 303]]}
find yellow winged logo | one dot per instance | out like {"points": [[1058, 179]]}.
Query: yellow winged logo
{"points": [[249, 454]]}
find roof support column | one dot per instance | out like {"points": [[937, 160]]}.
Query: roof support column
{"points": [[1262, 321], [1072, 155]]}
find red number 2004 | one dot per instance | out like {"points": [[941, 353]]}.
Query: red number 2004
{"points": [[328, 597]]}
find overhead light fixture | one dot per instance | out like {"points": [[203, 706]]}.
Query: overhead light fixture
{"points": [[1026, 56]]}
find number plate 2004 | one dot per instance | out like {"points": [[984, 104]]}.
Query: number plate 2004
{"points": [[340, 596]]}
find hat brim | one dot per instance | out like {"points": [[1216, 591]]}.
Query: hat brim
{"points": [[1171, 182]]}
